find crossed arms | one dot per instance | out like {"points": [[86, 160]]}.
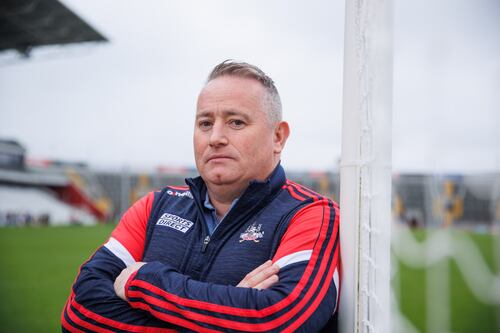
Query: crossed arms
{"points": [[154, 297]]}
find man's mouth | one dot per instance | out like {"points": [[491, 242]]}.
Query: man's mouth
{"points": [[216, 158]]}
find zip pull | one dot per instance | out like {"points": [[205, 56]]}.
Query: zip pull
{"points": [[205, 243]]}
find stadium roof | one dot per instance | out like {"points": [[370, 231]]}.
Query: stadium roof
{"points": [[25, 24]]}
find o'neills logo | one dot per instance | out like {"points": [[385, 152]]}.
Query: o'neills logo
{"points": [[175, 222], [252, 233], [180, 194]]}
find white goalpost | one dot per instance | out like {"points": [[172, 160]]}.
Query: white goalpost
{"points": [[365, 170]]}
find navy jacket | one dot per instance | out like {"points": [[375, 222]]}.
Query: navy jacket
{"points": [[188, 283]]}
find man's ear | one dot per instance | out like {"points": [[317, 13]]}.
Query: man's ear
{"points": [[281, 133]]}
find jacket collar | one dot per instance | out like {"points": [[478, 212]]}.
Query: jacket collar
{"points": [[258, 193]]}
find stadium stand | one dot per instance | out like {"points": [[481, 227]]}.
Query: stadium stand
{"points": [[61, 192], [44, 208]]}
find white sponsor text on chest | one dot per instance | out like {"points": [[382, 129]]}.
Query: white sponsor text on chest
{"points": [[174, 222]]}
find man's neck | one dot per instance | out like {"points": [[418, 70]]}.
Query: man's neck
{"points": [[222, 197]]}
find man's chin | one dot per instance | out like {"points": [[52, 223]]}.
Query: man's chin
{"points": [[220, 178]]}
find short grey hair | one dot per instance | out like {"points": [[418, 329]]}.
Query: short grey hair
{"points": [[242, 69]]}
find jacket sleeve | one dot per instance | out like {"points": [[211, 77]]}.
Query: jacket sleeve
{"points": [[304, 299], [93, 305]]}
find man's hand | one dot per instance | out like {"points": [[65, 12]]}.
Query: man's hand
{"points": [[122, 279], [262, 277]]}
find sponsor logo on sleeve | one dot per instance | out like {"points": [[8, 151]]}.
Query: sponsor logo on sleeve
{"points": [[175, 222]]}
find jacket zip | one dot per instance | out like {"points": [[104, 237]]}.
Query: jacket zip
{"points": [[205, 244]]}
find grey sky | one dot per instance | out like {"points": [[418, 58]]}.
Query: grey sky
{"points": [[131, 101]]}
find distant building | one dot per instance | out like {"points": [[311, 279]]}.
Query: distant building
{"points": [[12, 155], [47, 192]]}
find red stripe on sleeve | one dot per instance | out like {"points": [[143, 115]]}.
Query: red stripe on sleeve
{"points": [[77, 320], [324, 288], [65, 323], [127, 284], [116, 324], [131, 231], [173, 319], [69, 327], [302, 232]]}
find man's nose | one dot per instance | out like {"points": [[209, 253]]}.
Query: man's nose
{"points": [[218, 135]]}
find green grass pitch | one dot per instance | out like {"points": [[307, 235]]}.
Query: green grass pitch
{"points": [[467, 314], [38, 266]]}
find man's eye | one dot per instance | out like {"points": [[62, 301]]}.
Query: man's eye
{"points": [[236, 123], [204, 124]]}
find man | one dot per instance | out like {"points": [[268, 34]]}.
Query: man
{"points": [[185, 258]]}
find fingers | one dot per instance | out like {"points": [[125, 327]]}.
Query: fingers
{"points": [[259, 269], [119, 285], [267, 282], [122, 278], [260, 276], [245, 283]]}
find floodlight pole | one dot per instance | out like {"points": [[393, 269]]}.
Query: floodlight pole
{"points": [[365, 171]]}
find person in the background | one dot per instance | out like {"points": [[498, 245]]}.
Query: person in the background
{"points": [[185, 258]]}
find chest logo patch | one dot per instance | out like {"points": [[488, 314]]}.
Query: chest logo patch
{"points": [[252, 233], [175, 222]]}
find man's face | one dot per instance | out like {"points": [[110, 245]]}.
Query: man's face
{"points": [[234, 142]]}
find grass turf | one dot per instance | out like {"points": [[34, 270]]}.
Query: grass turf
{"points": [[467, 314], [38, 266]]}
